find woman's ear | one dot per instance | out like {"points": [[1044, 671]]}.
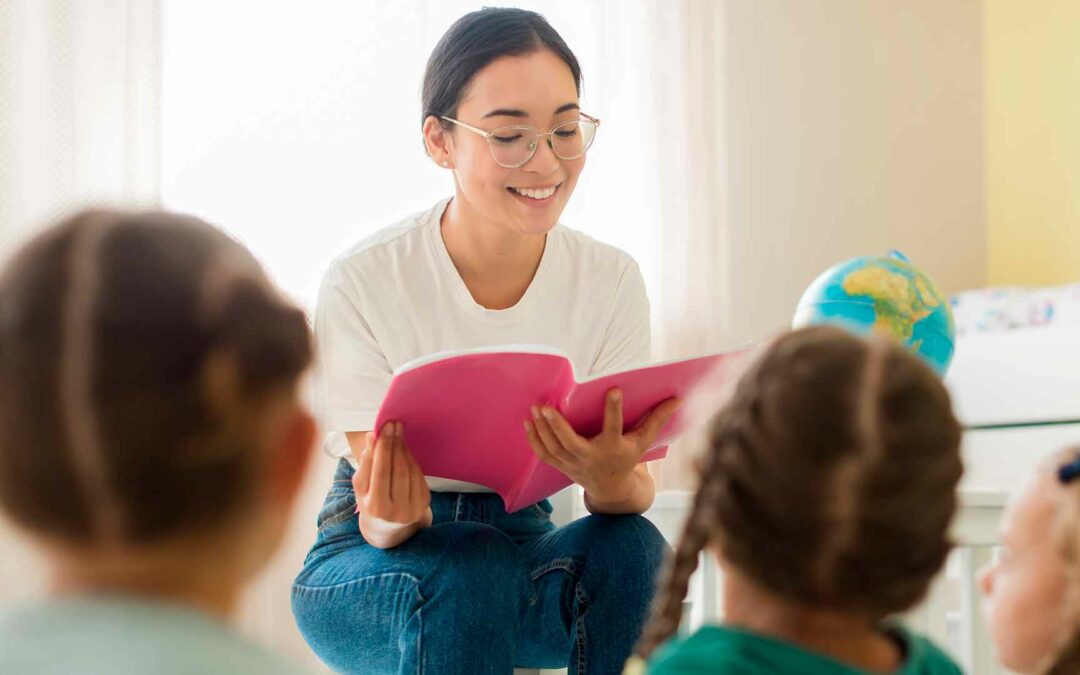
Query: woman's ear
{"points": [[438, 141]]}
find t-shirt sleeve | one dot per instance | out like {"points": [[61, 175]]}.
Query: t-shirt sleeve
{"points": [[627, 340], [352, 374]]}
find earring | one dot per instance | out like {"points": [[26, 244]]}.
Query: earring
{"points": [[446, 164]]}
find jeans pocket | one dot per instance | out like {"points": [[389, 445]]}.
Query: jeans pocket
{"points": [[340, 505], [542, 509]]}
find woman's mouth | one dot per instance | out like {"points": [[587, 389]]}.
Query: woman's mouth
{"points": [[535, 196]]}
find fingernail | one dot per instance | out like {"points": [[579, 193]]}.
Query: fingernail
{"points": [[616, 396], [535, 412], [399, 429], [528, 427], [549, 413]]}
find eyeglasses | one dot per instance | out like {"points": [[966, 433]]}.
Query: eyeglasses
{"points": [[515, 145]]}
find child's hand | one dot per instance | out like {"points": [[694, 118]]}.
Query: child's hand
{"points": [[604, 465], [389, 485]]}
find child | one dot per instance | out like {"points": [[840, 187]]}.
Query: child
{"points": [[151, 441], [1032, 606], [827, 489]]}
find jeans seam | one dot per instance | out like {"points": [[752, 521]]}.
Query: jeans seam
{"points": [[566, 564], [306, 587], [579, 646], [337, 519]]}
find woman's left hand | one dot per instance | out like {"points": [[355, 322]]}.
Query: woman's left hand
{"points": [[604, 465]]}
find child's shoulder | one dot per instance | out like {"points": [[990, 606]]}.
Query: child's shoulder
{"points": [[719, 649], [924, 657]]}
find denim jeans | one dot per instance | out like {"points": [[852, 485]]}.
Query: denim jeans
{"points": [[480, 591]]}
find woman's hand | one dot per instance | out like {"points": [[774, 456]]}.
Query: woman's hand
{"points": [[605, 464], [392, 497]]}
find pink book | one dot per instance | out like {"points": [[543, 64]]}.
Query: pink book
{"points": [[463, 412]]}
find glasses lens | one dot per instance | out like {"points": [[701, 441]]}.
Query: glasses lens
{"points": [[512, 146], [572, 139]]}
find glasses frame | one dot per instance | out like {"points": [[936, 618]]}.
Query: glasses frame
{"points": [[535, 144]]}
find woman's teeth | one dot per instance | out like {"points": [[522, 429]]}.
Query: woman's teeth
{"points": [[536, 194]]}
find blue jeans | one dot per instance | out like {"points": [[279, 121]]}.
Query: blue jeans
{"points": [[480, 591]]}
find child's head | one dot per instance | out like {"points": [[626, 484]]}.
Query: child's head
{"points": [[828, 480], [148, 391], [1033, 590]]}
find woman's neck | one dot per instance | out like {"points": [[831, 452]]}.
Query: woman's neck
{"points": [[853, 640], [496, 263]]}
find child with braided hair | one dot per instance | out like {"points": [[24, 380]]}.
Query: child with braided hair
{"points": [[153, 439], [826, 492], [1032, 591]]}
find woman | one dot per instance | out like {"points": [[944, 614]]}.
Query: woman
{"points": [[428, 575]]}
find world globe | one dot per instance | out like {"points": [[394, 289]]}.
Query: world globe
{"points": [[885, 296]]}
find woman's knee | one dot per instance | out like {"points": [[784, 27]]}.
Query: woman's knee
{"points": [[476, 560], [616, 542]]}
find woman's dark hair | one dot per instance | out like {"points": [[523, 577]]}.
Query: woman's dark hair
{"points": [[139, 356], [477, 39], [829, 480]]}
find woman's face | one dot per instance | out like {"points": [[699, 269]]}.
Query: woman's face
{"points": [[1025, 590], [536, 90]]}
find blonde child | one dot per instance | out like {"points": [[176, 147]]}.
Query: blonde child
{"points": [[1032, 592]]}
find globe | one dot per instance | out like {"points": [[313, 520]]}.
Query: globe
{"points": [[886, 296]]}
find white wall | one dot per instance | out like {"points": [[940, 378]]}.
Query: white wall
{"points": [[853, 127]]}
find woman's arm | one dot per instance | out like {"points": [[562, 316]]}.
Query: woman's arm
{"points": [[635, 496]]}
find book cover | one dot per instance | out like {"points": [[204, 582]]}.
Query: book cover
{"points": [[463, 412]]}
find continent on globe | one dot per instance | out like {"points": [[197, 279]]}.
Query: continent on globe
{"points": [[883, 295]]}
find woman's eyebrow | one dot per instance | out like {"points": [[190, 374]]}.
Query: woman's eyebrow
{"points": [[514, 112], [506, 112]]}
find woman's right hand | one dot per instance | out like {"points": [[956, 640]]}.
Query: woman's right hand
{"points": [[392, 497]]}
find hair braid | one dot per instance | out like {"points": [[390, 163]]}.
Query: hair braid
{"points": [[76, 373], [667, 608]]}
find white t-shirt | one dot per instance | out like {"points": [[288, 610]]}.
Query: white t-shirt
{"points": [[397, 296]]}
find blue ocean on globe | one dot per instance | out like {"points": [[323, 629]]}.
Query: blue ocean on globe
{"points": [[884, 295]]}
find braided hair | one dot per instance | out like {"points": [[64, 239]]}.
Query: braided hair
{"points": [[828, 479], [139, 355]]}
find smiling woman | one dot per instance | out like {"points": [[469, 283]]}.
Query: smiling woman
{"points": [[410, 572]]}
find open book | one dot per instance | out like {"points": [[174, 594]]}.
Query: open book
{"points": [[463, 412]]}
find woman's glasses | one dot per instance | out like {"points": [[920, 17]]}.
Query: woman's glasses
{"points": [[515, 145]]}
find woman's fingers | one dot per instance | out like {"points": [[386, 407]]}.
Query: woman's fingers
{"points": [[362, 478], [613, 413], [418, 489], [382, 464], [547, 435], [538, 446], [648, 428], [400, 473], [570, 444]]}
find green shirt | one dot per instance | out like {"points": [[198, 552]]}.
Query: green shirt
{"points": [[716, 649], [125, 636]]}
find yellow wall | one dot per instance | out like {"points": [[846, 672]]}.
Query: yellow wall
{"points": [[1032, 71]]}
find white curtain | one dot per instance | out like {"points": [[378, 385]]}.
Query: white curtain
{"points": [[79, 97], [79, 91]]}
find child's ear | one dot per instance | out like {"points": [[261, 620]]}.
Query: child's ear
{"points": [[290, 458]]}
